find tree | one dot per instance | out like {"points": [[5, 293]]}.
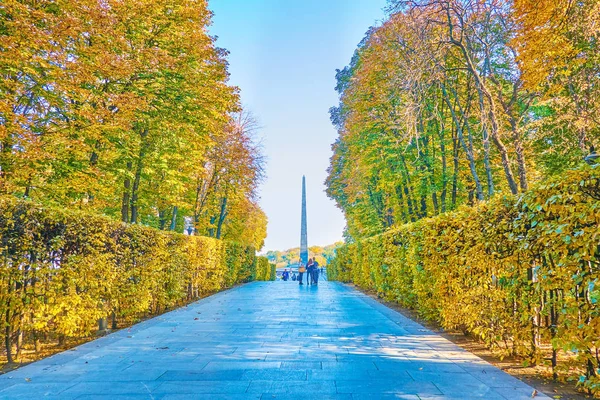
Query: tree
{"points": [[114, 107], [557, 44], [440, 107], [227, 185]]}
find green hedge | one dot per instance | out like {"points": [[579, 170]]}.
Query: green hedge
{"points": [[273, 270], [264, 270], [61, 270], [520, 273]]}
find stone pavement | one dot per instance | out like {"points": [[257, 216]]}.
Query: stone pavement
{"points": [[268, 340]]}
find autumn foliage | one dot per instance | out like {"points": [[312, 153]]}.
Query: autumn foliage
{"points": [[519, 272], [449, 112], [62, 271], [124, 109], [119, 111], [265, 271], [451, 102]]}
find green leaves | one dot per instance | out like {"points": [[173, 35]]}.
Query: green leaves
{"points": [[116, 109]]}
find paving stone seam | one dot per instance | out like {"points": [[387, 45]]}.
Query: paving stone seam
{"points": [[391, 314], [353, 319]]}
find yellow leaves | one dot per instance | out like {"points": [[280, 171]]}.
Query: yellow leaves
{"points": [[544, 41], [264, 270], [62, 271], [494, 269], [79, 80]]}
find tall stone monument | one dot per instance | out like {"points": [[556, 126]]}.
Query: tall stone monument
{"points": [[303, 230]]}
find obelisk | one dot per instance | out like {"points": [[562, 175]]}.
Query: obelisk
{"points": [[303, 230]]}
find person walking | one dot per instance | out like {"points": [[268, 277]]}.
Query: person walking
{"points": [[301, 270], [286, 275], [309, 271], [315, 272]]}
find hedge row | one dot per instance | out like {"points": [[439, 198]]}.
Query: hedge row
{"points": [[522, 274], [62, 271], [265, 271]]}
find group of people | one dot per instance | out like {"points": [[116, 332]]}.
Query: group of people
{"points": [[286, 275], [312, 272]]}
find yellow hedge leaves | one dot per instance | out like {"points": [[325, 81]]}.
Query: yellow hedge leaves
{"points": [[264, 270], [62, 271], [520, 273]]}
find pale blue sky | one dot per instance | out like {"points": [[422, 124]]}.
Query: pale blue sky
{"points": [[283, 57]]}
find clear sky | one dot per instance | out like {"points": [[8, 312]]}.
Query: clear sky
{"points": [[283, 57]]}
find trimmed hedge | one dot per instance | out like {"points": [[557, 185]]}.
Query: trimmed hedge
{"points": [[62, 271], [264, 270], [273, 270], [521, 273]]}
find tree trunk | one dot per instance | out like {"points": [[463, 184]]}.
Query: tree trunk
{"points": [[484, 92], [197, 201], [518, 143], [5, 161], [491, 115], [486, 152], [138, 176], [27, 189], [581, 134], [469, 154], [377, 204], [162, 219], [126, 193], [409, 201], [211, 230], [203, 189], [408, 190], [222, 216], [173, 219], [444, 170], [402, 203], [423, 213], [93, 163], [513, 120], [429, 178], [553, 330], [455, 166]]}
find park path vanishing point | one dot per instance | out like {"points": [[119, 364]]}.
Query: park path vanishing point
{"points": [[269, 340]]}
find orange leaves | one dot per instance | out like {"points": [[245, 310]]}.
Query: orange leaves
{"points": [[558, 54], [542, 42]]}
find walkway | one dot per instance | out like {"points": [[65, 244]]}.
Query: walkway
{"points": [[268, 340]]}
